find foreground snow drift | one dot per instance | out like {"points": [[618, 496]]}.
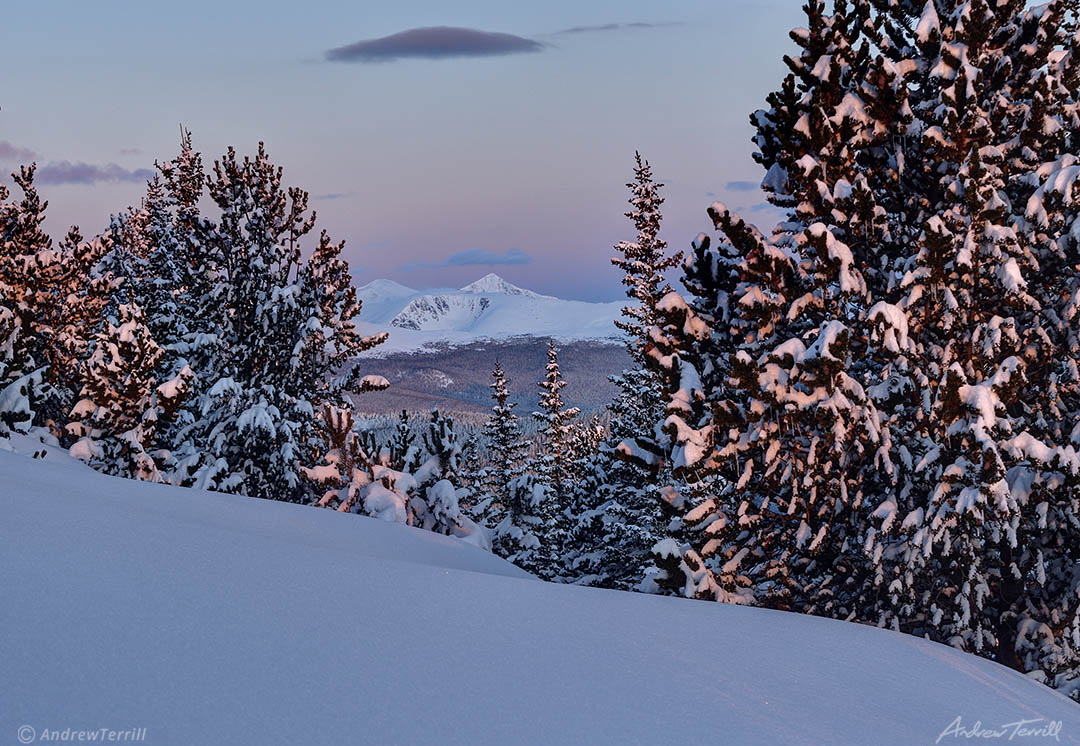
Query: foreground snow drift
{"points": [[217, 619]]}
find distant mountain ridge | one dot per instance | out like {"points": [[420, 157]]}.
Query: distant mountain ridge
{"points": [[492, 283], [489, 308]]}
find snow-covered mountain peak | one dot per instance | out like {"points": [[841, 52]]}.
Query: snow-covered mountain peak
{"points": [[386, 287], [442, 312], [489, 308], [492, 283]]}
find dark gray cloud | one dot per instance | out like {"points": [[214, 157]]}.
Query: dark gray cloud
{"points": [[331, 195], [611, 27], [474, 258], [741, 186], [66, 172], [433, 43], [9, 152]]}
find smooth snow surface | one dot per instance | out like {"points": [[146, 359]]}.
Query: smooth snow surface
{"points": [[489, 308], [215, 619]]}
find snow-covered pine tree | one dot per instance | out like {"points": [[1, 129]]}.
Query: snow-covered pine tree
{"points": [[130, 397], [643, 263], [785, 420], [161, 290], [287, 328], [27, 268], [1047, 643], [444, 451], [618, 508], [506, 448], [356, 475], [201, 314], [969, 534], [957, 114], [522, 536], [789, 429], [405, 455], [343, 475], [74, 313], [123, 404], [554, 420], [438, 478], [553, 467], [472, 471], [830, 141]]}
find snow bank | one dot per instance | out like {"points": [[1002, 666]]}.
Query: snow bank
{"points": [[217, 619]]}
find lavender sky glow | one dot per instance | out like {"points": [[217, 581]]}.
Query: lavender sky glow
{"points": [[442, 140]]}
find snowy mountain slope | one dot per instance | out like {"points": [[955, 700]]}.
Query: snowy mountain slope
{"points": [[492, 283], [383, 299], [218, 619], [490, 308], [446, 312]]}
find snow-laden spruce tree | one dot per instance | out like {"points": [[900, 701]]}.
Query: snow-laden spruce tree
{"points": [[554, 422], [31, 275], [23, 250], [286, 331], [161, 288], [358, 475], [767, 418], [133, 384], [506, 449], [74, 312], [123, 402], [966, 556], [525, 536], [553, 484], [518, 506], [405, 454], [440, 480], [643, 262], [472, 471], [921, 151], [787, 428], [49, 311], [618, 507]]}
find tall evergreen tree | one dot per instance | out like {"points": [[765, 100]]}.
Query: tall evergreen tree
{"points": [[888, 388], [619, 507], [553, 465], [287, 330], [26, 259], [554, 420], [507, 450]]}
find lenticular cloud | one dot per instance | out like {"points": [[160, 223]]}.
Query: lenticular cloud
{"points": [[436, 42]]}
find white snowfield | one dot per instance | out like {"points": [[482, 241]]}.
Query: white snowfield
{"points": [[490, 308], [215, 619]]}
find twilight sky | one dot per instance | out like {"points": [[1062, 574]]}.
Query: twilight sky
{"points": [[500, 144]]}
